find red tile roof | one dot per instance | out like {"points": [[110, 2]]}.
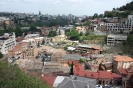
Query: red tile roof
{"points": [[116, 76], [79, 67], [49, 80], [74, 62], [99, 74], [105, 74], [92, 74]]}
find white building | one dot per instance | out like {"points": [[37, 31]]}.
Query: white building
{"points": [[125, 26], [112, 39], [7, 42]]}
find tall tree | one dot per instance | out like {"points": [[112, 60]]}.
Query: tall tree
{"points": [[43, 42], [95, 15], [38, 44], [71, 71], [5, 25], [101, 16]]}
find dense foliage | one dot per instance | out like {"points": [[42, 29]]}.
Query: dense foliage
{"points": [[127, 10], [13, 77], [128, 6], [74, 35], [128, 45], [1, 55], [17, 31], [52, 33]]}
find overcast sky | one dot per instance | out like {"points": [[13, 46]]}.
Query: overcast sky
{"points": [[54, 7]]}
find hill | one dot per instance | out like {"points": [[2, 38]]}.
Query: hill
{"points": [[14, 77], [121, 12], [127, 7]]}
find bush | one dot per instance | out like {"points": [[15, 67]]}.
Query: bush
{"points": [[81, 60], [14, 77]]}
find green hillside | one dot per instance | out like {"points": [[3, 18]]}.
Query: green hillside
{"points": [[13, 77]]}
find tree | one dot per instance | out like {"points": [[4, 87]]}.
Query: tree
{"points": [[68, 34], [38, 44], [1, 55], [13, 77], [18, 32], [43, 42], [87, 23], [43, 59], [109, 14], [87, 33], [74, 35], [5, 26], [81, 60], [101, 16], [33, 28], [100, 66], [95, 16], [81, 34], [52, 33], [71, 71]]}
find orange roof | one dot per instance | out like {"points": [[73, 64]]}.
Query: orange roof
{"points": [[98, 74], [123, 58], [49, 79], [79, 67], [74, 62], [105, 74], [97, 48]]}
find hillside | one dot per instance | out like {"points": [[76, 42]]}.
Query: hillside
{"points": [[127, 7], [121, 12], [13, 77]]}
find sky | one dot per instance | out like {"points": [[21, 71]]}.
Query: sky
{"points": [[55, 7]]}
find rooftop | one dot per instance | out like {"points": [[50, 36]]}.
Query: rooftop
{"points": [[123, 58]]}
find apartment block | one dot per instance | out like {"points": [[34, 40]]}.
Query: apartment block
{"points": [[7, 42], [112, 39], [125, 26]]}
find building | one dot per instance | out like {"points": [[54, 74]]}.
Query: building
{"points": [[77, 82], [45, 30], [7, 42], [33, 38], [59, 39], [30, 65], [15, 51], [102, 79], [127, 76], [121, 62], [58, 55], [94, 27], [112, 39], [89, 49], [125, 26], [55, 67], [81, 29], [30, 53]]}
